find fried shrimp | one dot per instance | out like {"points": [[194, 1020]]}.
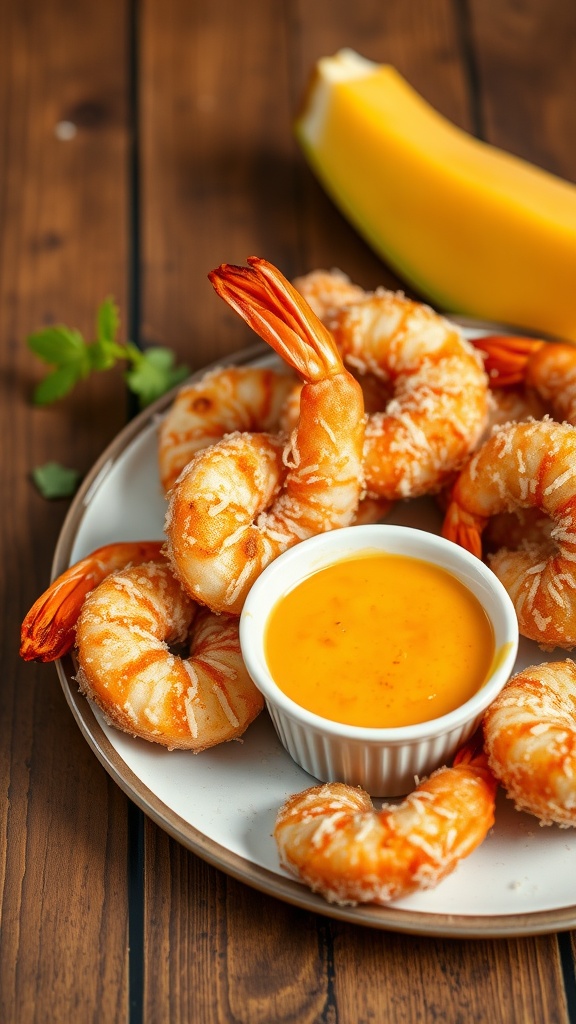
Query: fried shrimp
{"points": [[518, 529], [549, 368], [326, 290], [240, 399], [526, 465], [334, 841], [227, 399], [123, 630], [514, 405], [48, 630], [439, 404], [126, 667], [530, 740], [370, 509], [240, 503], [513, 529]]}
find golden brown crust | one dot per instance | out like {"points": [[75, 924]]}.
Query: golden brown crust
{"points": [[530, 739]]}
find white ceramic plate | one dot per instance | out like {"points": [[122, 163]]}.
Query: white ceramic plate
{"points": [[221, 804]]}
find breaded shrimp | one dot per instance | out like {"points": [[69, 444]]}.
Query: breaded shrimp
{"points": [[227, 399], [123, 629], [48, 631], [530, 739], [549, 368], [242, 502], [124, 634], [327, 290], [439, 404], [528, 465], [334, 841]]}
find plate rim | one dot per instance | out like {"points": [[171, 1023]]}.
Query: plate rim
{"points": [[387, 917]]}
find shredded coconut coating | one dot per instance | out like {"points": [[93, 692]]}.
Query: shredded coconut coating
{"points": [[242, 502], [551, 370], [333, 840], [439, 405], [530, 739], [526, 466], [126, 667], [327, 290], [224, 400]]}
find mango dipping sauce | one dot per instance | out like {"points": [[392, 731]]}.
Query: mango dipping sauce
{"points": [[379, 640]]}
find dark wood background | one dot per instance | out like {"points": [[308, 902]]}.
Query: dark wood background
{"points": [[182, 157]]}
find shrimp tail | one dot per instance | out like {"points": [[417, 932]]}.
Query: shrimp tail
{"points": [[48, 630], [464, 528], [506, 358], [277, 312]]}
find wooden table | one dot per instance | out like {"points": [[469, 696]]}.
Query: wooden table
{"points": [[142, 145]]}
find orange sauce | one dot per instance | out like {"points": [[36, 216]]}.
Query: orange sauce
{"points": [[379, 640]]}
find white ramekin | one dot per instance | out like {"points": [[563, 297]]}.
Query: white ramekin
{"points": [[385, 762]]}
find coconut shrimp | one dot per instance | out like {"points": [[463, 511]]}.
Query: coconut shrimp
{"points": [[123, 630], [506, 405], [370, 509], [49, 628], [522, 527], [236, 399], [333, 839], [548, 368], [326, 290], [240, 503], [439, 406], [512, 529], [226, 399], [526, 465], [530, 740], [514, 405]]}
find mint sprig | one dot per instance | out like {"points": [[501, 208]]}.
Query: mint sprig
{"points": [[149, 374], [56, 481]]}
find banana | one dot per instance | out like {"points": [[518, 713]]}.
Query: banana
{"points": [[473, 229]]}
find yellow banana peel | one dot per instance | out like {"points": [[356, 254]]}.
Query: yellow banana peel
{"points": [[473, 229]]}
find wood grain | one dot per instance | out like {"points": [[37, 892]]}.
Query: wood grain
{"points": [[526, 59], [219, 177], [218, 98], [215, 163], [444, 979], [223, 951], [63, 211]]}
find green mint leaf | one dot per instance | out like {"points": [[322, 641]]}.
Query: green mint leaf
{"points": [[57, 345], [103, 354], [163, 359], [149, 375], [108, 320], [134, 354], [56, 481], [56, 384], [153, 373]]}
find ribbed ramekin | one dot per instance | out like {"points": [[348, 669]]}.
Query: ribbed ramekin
{"points": [[385, 762]]}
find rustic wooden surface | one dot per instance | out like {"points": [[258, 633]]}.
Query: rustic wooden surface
{"points": [[181, 156]]}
